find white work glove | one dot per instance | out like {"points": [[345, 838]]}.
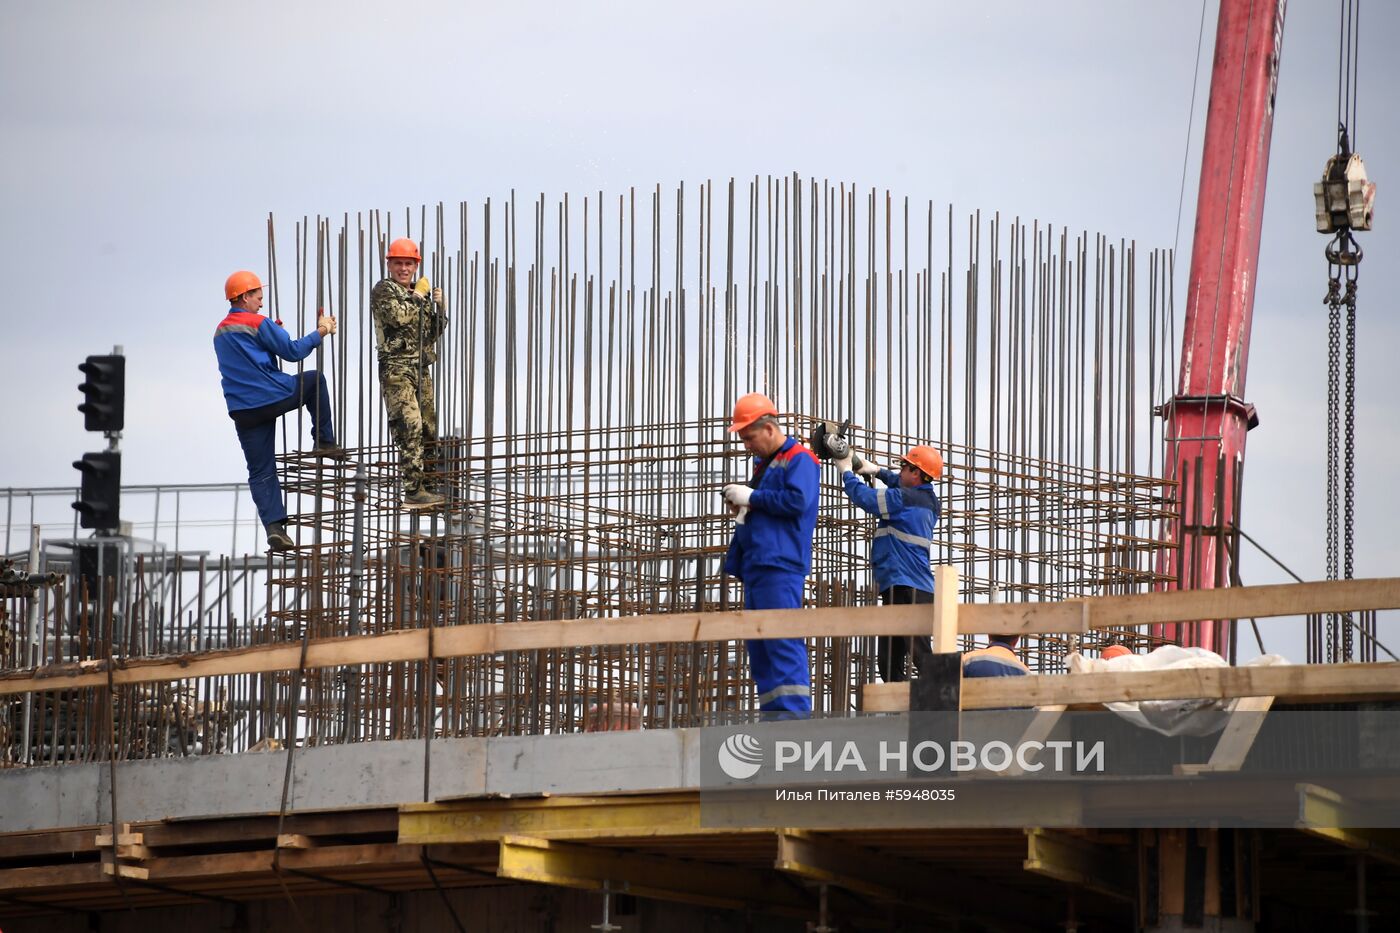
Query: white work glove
{"points": [[437, 297], [326, 323], [737, 495], [844, 464], [869, 467]]}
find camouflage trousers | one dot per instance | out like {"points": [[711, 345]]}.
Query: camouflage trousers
{"points": [[412, 418]]}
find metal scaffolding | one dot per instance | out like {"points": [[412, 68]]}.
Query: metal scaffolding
{"points": [[583, 387]]}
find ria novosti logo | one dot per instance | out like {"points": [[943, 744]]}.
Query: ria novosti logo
{"points": [[740, 756]]}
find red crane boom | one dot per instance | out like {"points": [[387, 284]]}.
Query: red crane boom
{"points": [[1207, 417]]}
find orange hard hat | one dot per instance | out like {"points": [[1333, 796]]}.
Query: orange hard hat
{"points": [[1114, 651], [750, 408], [926, 459], [240, 283], [404, 248]]}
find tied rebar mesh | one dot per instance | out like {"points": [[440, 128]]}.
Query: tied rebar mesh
{"points": [[583, 385]]}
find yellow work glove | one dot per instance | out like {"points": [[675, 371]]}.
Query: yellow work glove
{"points": [[423, 288]]}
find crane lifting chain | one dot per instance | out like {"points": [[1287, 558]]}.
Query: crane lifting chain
{"points": [[1342, 258], [1345, 201]]}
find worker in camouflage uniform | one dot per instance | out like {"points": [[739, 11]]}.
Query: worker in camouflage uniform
{"points": [[408, 319]]}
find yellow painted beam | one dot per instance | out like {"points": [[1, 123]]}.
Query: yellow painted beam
{"points": [[823, 859], [830, 861], [600, 817], [1081, 863], [1328, 815], [592, 868]]}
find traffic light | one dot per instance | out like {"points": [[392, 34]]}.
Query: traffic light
{"points": [[99, 503], [105, 388]]}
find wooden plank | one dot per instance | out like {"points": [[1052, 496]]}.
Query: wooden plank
{"points": [[1290, 682], [945, 609], [58, 842], [124, 838], [320, 858], [1236, 739], [126, 871], [1041, 725], [174, 833], [1068, 617], [848, 621], [296, 841], [16, 880], [1282, 599]]}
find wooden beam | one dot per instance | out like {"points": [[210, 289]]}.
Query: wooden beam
{"points": [[125, 838], [18, 880], [1328, 815], [126, 871], [203, 832], [1313, 682], [1081, 863], [845, 621], [320, 858], [1239, 602], [1236, 739], [296, 841], [545, 861], [1043, 722], [57, 842], [944, 637]]}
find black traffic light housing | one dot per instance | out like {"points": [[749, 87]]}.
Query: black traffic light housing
{"points": [[105, 387], [99, 503]]}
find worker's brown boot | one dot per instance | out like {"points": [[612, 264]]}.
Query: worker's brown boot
{"points": [[277, 537], [423, 499]]}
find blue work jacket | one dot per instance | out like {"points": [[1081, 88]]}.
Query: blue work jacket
{"points": [[247, 345], [776, 536], [992, 661], [900, 550]]}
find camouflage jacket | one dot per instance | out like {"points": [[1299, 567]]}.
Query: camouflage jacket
{"points": [[397, 312]]}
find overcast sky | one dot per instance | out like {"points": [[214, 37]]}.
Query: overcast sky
{"points": [[144, 144]]}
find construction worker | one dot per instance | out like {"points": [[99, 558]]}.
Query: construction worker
{"points": [[996, 660], [776, 513], [906, 514], [257, 393], [408, 320]]}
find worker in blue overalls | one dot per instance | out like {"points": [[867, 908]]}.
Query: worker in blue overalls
{"points": [[775, 515], [257, 393], [905, 513]]}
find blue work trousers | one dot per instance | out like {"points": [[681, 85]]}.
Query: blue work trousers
{"points": [[778, 665], [257, 432]]}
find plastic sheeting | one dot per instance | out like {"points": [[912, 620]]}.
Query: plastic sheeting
{"points": [[1170, 717]]}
